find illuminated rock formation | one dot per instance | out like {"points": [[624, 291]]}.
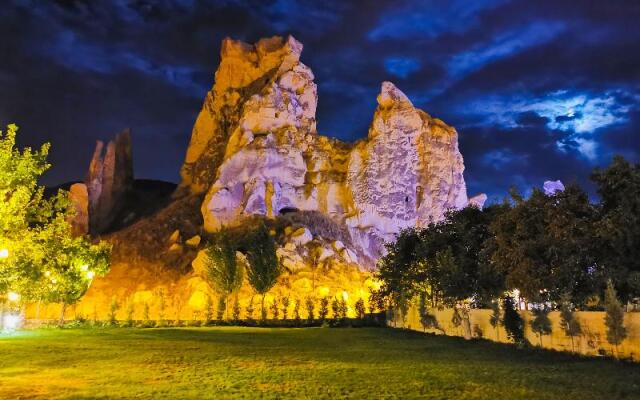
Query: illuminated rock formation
{"points": [[109, 178], [255, 149]]}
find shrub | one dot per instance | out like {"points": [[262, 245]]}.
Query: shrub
{"points": [[477, 331], [296, 310], [130, 312], [236, 309], [456, 319], [513, 323], [250, 310], [324, 308], [285, 307], [427, 320], [310, 306], [275, 311], [145, 312], [335, 308], [568, 321], [222, 307], [359, 307], [371, 306], [343, 308], [496, 318], [113, 310], [614, 317], [541, 324], [264, 266], [162, 305], [208, 309]]}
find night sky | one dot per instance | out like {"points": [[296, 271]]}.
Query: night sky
{"points": [[537, 90]]}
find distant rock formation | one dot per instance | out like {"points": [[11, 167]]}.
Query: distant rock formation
{"points": [[109, 178], [256, 151], [551, 187], [80, 200]]}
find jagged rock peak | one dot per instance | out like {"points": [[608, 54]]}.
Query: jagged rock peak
{"points": [[258, 88], [391, 96], [109, 178]]}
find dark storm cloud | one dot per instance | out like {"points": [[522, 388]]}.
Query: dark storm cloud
{"points": [[537, 90]]}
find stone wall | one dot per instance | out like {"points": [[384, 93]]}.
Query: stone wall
{"points": [[593, 340]]}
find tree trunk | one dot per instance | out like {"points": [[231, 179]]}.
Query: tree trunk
{"points": [[62, 310], [262, 314]]}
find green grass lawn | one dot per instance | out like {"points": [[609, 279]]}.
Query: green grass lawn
{"points": [[224, 362]]}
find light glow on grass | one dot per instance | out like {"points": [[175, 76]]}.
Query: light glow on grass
{"points": [[13, 296], [4, 253], [11, 322]]}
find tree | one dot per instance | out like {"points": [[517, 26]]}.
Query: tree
{"points": [[398, 270], [285, 307], [310, 306], [113, 311], [427, 320], [496, 318], [296, 310], [324, 308], [542, 245], [512, 322], [264, 268], [359, 308], [208, 310], [541, 324], [617, 226], [39, 256], [223, 272], [568, 321], [614, 317]]}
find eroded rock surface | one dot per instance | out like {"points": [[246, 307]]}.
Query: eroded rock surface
{"points": [[256, 151], [109, 178]]}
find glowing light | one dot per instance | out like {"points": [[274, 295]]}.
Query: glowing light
{"points": [[84, 267], [47, 273], [13, 296], [324, 291], [11, 322], [4, 253], [54, 280], [345, 295], [90, 274]]}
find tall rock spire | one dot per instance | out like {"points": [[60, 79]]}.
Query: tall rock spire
{"points": [[109, 178]]}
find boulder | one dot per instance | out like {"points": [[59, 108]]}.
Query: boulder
{"points": [[193, 241], [301, 236], [175, 236]]}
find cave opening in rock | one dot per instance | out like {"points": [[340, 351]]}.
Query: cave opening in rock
{"points": [[288, 210]]}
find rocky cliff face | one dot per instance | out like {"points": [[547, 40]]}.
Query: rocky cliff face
{"points": [[255, 151], [109, 178]]}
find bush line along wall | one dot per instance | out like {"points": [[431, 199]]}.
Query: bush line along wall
{"points": [[592, 341]]}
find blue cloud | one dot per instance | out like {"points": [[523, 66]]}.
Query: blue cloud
{"points": [[401, 67], [82, 56], [429, 19], [505, 44]]}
